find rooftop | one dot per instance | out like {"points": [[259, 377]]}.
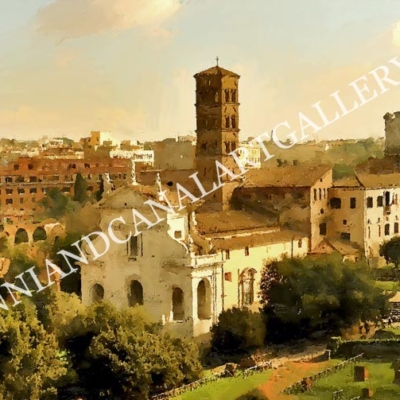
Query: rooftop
{"points": [[217, 71]]}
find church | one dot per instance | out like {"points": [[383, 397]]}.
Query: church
{"points": [[209, 256]]}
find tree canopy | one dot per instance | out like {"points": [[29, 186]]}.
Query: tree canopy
{"points": [[302, 296], [391, 251]]}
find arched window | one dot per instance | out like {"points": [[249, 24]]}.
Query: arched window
{"points": [[39, 234], [178, 311], [227, 95], [247, 287], [233, 96], [21, 236], [97, 293], [204, 299], [135, 295], [233, 121], [227, 120]]}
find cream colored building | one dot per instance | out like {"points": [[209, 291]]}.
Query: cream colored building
{"points": [[365, 210], [185, 270]]}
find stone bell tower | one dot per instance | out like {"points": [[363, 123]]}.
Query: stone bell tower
{"points": [[217, 115]]}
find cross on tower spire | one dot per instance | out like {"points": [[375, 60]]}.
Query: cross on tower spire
{"points": [[217, 60]]}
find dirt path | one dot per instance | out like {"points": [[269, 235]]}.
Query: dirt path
{"points": [[288, 374]]}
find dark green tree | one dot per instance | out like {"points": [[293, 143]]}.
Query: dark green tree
{"points": [[391, 251], [302, 296], [80, 189], [237, 331], [56, 205], [122, 354], [31, 363]]}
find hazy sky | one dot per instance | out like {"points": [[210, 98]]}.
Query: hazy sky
{"points": [[71, 66]]}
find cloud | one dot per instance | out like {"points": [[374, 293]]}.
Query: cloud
{"points": [[77, 18], [27, 115], [396, 35]]}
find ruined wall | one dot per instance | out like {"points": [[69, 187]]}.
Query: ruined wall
{"points": [[170, 154]]}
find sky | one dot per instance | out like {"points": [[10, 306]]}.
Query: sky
{"points": [[126, 66]]}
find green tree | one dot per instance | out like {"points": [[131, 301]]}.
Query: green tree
{"points": [[56, 205], [302, 296], [124, 354], [238, 331], [31, 365], [391, 251], [80, 189]]}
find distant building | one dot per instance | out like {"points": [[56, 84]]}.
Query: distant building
{"points": [[174, 154], [98, 138]]}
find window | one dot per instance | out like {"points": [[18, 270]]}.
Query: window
{"points": [[370, 202], [387, 198], [345, 222], [32, 190], [227, 95], [9, 191], [135, 295], [369, 232], [300, 244], [178, 311], [227, 254], [178, 234], [30, 166], [320, 194], [233, 96], [380, 201], [247, 287], [8, 179], [396, 227], [379, 231], [97, 293], [321, 211], [336, 202], [227, 120], [345, 236], [32, 179], [21, 200], [133, 249], [352, 202], [315, 194], [204, 299], [246, 251], [21, 191], [228, 276], [322, 229], [16, 167], [387, 229], [9, 201]]}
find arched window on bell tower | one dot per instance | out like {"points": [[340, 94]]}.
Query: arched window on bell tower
{"points": [[233, 121], [234, 96], [227, 122], [227, 96]]}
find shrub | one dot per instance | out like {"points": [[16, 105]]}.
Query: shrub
{"points": [[238, 331]]}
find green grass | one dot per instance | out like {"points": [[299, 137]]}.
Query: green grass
{"points": [[380, 381], [227, 388]]}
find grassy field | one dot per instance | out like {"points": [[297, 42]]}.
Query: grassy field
{"points": [[380, 381], [227, 388]]}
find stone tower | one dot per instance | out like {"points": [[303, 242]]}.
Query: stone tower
{"points": [[217, 115]]}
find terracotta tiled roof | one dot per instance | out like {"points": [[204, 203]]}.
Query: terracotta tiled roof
{"points": [[288, 176], [256, 240], [217, 71], [350, 181], [229, 221], [377, 181]]}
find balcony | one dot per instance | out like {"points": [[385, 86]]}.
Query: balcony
{"points": [[204, 260]]}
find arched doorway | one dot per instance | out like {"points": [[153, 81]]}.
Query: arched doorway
{"points": [[21, 236], [96, 293], [39, 234], [135, 295], [204, 299], [178, 311], [247, 287]]}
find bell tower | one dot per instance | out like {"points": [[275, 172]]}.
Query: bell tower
{"points": [[217, 121]]}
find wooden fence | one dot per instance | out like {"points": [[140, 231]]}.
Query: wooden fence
{"points": [[299, 386]]}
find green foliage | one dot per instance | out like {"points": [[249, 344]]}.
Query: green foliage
{"points": [[342, 171], [124, 354], [3, 244], [391, 251], [56, 204], [237, 331], [30, 366], [80, 190], [302, 296]]}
